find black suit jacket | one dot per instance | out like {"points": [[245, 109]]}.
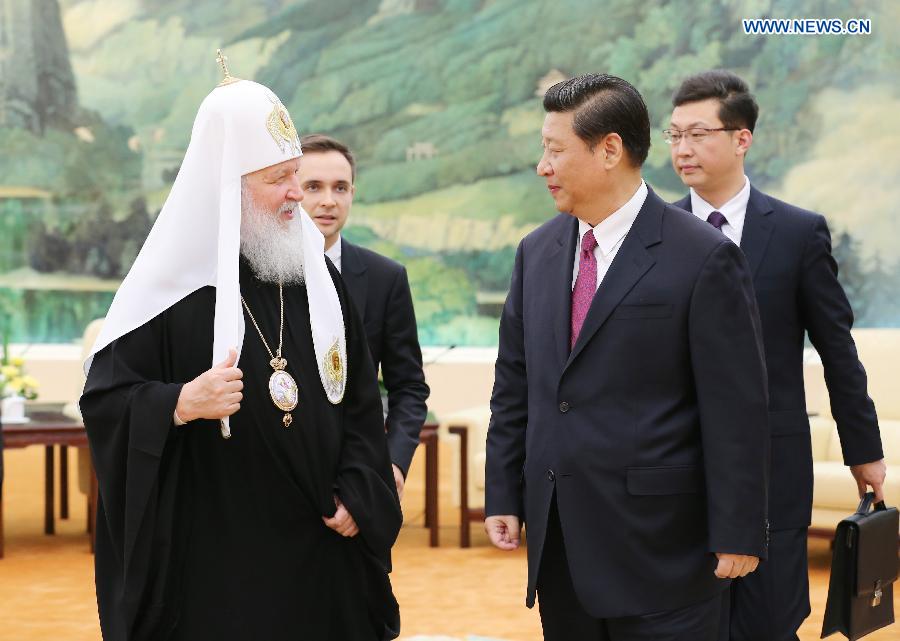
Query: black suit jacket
{"points": [[380, 290], [795, 278], [652, 431]]}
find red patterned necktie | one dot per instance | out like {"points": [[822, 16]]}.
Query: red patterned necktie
{"points": [[585, 284]]}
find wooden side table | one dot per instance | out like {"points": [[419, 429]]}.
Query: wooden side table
{"points": [[49, 427], [429, 438]]}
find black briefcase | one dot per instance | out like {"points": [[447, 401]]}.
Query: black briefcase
{"points": [[863, 571]]}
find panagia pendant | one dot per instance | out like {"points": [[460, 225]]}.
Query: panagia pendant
{"points": [[284, 392]]}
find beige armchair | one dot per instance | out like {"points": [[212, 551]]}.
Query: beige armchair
{"points": [[835, 495]]}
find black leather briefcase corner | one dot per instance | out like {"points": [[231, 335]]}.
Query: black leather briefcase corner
{"points": [[863, 571]]}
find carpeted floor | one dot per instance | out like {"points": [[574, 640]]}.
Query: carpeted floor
{"points": [[445, 594]]}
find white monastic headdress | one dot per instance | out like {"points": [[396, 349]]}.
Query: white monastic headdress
{"points": [[241, 127]]}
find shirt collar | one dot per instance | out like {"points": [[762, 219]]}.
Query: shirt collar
{"points": [[334, 252], [611, 230], [734, 210]]}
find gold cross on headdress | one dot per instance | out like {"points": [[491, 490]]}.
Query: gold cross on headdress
{"points": [[222, 59]]}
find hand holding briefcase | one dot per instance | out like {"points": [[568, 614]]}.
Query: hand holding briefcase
{"points": [[863, 571]]}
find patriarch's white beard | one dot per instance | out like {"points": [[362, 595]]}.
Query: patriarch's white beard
{"points": [[272, 246]]}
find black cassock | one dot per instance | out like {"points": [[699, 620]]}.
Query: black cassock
{"points": [[199, 537]]}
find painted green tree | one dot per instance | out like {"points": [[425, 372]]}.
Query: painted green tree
{"points": [[440, 100]]}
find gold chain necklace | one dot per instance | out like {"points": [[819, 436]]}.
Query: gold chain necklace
{"points": [[282, 386]]}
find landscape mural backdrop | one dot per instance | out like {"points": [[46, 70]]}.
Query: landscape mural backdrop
{"points": [[440, 100]]}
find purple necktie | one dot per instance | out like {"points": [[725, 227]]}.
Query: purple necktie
{"points": [[585, 284], [716, 219]]}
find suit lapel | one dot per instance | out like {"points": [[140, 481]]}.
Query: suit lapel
{"points": [[685, 204], [758, 228], [353, 271], [632, 261], [560, 263]]}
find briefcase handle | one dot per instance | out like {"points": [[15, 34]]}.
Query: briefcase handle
{"points": [[868, 500]]}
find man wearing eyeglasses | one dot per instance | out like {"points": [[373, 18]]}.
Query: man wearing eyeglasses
{"points": [[797, 290]]}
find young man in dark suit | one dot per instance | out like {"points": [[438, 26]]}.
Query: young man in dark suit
{"points": [[628, 421], [378, 287], [797, 290]]}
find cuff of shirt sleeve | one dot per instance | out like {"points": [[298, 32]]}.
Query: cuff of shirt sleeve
{"points": [[177, 419]]}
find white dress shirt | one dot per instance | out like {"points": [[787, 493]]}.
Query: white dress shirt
{"points": [[334, 253], [735, 211], [609, 233]]}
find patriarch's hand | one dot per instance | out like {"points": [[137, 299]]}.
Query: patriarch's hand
{"points": [[215, 394]]}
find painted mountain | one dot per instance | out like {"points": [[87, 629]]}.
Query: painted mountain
{"points": [[440, 99]]}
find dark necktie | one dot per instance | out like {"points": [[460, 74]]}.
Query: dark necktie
{"points": [[716, 219], [585, 284]]}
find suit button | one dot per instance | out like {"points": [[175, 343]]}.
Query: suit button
{"points": [[564, 407], [551, 476]]}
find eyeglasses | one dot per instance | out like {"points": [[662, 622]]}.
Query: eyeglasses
{"points": [[695, 135]]}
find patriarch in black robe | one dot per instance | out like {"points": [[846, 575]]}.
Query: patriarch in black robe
{"points": [[241, 497]]}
